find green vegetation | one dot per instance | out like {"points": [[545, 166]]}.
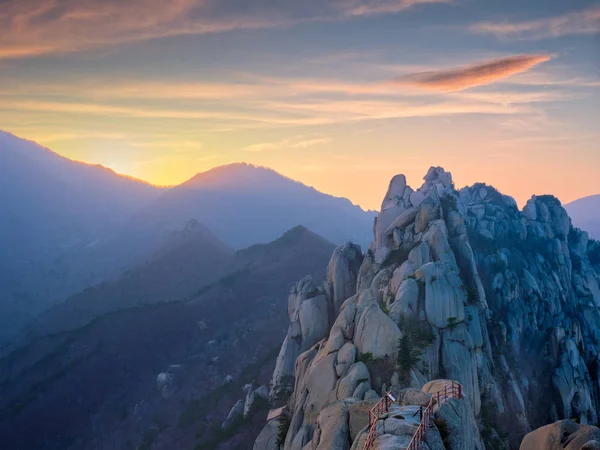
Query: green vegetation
{"points": [[149, 437], [197, 408], [449, 203], [384, 307], [498, 265], [489, 425], [361, 380], [282, 431], [453, 322], [219, 435], [472, 296], [594, 252], [313, 293], [365, 358], [416, 335], [395, 257], [408, 356]]}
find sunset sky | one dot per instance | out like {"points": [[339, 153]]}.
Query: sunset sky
{"points": [[339, 94]]}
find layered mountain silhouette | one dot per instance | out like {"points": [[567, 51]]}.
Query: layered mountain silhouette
{"points": [[585, 214], [196, 308], [67, 225]]}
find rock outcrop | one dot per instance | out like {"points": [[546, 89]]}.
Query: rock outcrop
{"points": [[456, 284], [563, 435]]}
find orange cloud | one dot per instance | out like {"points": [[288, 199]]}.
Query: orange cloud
{"points": [[579, 22], [474, 75]]}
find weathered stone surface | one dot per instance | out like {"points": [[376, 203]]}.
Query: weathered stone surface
{"points": [[399, 427], [267, 439], [414, 397], [376, 333], [406, 303], [320, 382], [458, 421], [314, 321], [357, 374], [509, 295], [359, 416], [345, 358], [342, 274], [390, 442], [403, 219], [444, 298], [333, 423], [564, 434], [361, 390]]}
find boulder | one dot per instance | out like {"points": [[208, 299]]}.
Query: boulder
{"points": [[416, 397], [390, 442], [457, 419], [357, 374], [376, 333], [345, 358], [342, 273], [314, 321], [267, 439], [333, 426], [563, 435], [406, 303], [320, 382]]}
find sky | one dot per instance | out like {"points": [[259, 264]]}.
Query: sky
{"points": [[339, 94]]}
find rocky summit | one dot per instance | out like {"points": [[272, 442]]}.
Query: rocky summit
{"points": [[460, 287]]}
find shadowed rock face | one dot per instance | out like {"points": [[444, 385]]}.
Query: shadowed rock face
{"points": [[564, 434], [501, 300]]}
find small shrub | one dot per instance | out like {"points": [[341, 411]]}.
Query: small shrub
{"points": [[365, 358], [361, 380], [594, 252], [282, 431], [449, 203], [408, 356], [420, 332], [453, 322], [397, 256], [313, 293], [384, 308], [472, 296]]}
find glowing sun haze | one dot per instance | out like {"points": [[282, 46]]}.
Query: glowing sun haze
{"points": [[339, 94]]}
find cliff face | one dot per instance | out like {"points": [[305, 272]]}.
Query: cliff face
{"points": [[458, 285]]}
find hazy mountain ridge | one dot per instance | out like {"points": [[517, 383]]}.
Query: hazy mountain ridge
{"points": [[245, 204], [68, 225], [91, 367], [585, 214]]}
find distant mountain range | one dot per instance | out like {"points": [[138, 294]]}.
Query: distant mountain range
{"points": [[197, 309], [585, 214], [67, 225]]}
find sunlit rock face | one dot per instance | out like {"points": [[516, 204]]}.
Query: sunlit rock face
{"points": [[459, 285]]}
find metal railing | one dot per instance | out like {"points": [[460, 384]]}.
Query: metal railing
{"points": [[450, 390], [454, 390], [376, 411]]}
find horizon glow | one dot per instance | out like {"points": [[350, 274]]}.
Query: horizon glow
{"points": [[340, 95]]}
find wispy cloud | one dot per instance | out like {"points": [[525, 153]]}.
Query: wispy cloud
{"points": [[474, 75], [578, 22], [35, 27], [295, 142]]}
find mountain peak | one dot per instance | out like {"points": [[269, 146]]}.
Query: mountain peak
{"points": [[232, 175]]}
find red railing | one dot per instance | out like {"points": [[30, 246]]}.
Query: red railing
{"points": [[378, 410], [438, 399], [451, 390]]}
